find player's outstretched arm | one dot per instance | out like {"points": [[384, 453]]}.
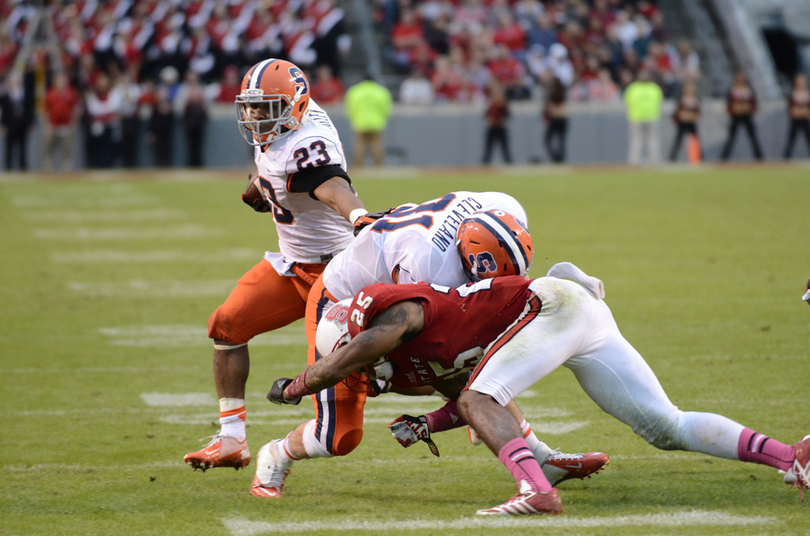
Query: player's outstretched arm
{"points": [[338, 195], [396, 325]]}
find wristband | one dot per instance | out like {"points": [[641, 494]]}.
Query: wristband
{"points": [[298, 388], [356, 213]]}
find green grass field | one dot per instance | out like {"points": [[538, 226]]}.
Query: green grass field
{"points": [[107, 282]]}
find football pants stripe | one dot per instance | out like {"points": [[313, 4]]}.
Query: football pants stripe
{"points": [[535, 305]]}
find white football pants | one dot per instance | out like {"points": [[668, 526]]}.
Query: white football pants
{"points": [[577, 330]]}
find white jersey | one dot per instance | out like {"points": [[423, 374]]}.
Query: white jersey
{"points": [[309, 231], [413, 243]]}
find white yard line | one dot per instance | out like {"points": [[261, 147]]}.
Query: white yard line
{"points": [[187, 231], [97, 256], [183, 335], [79, 216], [694, 518], [137, 288]]}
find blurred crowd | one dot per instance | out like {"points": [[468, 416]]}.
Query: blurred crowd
{"points": [[112, 65], [453, 50]]}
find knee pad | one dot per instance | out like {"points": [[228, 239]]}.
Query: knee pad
{"points": [[342, 445], [314, 447]]}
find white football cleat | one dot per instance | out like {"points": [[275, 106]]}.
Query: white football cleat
{"points": [[271, 472]]}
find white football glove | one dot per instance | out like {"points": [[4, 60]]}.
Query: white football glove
{"points": [[407, 430]]}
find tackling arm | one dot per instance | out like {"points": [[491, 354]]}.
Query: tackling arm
{"points": [[393, 327], [338, 195]]}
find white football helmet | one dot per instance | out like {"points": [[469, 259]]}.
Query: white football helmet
{"points": [[333, 329], [333, 332]]}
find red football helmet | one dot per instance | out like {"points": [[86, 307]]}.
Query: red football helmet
{"points": [[273, 101], [494, 243]]}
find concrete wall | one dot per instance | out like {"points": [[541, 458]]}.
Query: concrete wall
{"points": [[453, 135]]}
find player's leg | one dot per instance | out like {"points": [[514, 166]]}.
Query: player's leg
{"points": [[547, 333], [337, 428], [262, 301], [621, 382]]}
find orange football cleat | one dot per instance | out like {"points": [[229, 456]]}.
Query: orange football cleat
{"points": [[560, 467], [221, 451]]}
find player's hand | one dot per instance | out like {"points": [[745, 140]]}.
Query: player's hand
{"points": [[276, 394], [407, 430], [253, 196], [377, 387], [367, 219]]}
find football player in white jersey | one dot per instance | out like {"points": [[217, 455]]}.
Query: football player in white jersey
{"points": [[408, 244], [302, 180]]}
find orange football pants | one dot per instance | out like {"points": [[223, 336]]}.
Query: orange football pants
{"points": [[339, 409], [263, 301]]}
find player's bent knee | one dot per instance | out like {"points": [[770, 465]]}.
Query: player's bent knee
{"points": [[347, 442], [665, 433], [223, 328]]}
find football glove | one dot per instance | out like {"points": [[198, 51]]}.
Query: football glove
{"points": [[377, 388], [367, 219], [407, 430], [276, 394]]}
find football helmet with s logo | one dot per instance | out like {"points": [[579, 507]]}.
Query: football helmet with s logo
{"points": [[273, 101], [494, 243]]}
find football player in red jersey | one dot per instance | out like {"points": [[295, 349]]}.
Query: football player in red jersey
{"points": [[529, 328], [488, 243]]}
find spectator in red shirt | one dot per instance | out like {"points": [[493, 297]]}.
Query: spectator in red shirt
{"points": [[509, 33], [230, 86], [327, 90], [447, 83], [407, 36], [497, 115], [508, 72], [61, 107]]}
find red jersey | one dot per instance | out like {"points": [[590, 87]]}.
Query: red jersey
{"points": [[458, 324]]}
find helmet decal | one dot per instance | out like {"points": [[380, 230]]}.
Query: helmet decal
{"points": [[257, 72]]}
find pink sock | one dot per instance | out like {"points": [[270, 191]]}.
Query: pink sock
{"points": [[518, 458], [445, 418], [758, 448]]}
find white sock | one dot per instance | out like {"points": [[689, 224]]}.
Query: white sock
{"points": [[541, 450], [232, 417]]}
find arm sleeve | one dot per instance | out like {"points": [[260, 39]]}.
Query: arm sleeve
{"points": [[307, 180]]}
